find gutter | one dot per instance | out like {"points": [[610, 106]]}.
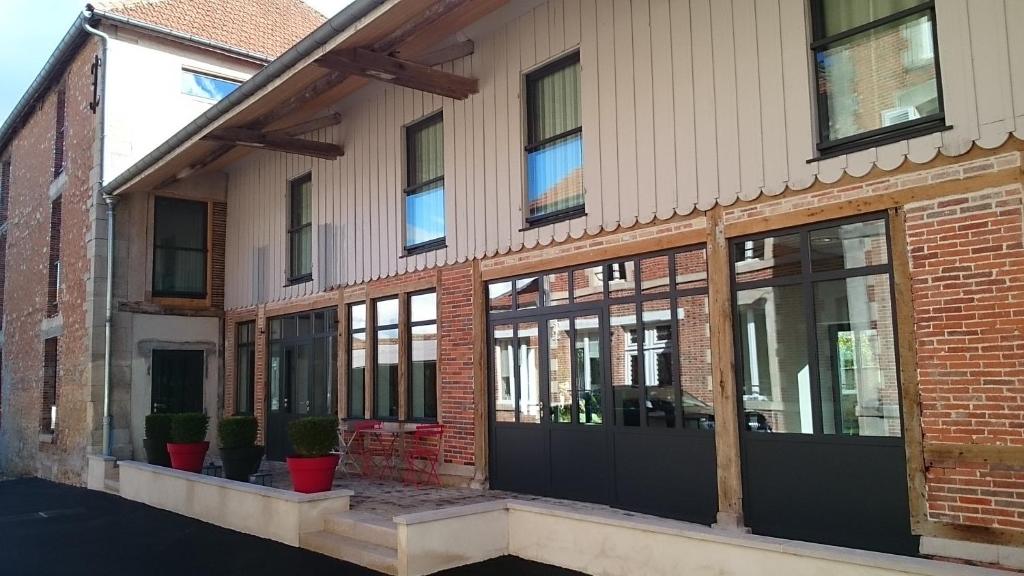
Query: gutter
{"points": [[305, 47], [101, 122]]}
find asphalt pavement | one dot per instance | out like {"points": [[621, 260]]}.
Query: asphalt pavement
{"points": [[48, 528]]}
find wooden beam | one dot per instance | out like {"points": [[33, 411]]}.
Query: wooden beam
{"points": [[445, 54], [940, 455], [257, 139], [386, 68], [910, 396], [727, 424], [332, 119]]}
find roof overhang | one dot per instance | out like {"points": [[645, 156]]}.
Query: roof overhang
{"points": [[389, 40]]}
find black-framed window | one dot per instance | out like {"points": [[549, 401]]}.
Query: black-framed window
{"points": [[300, 229], [206, 86], [245, 367], [423, 344], [356, 360], [386, 358], [815, 331], [59, 130], [179, 248], [877, 69], [48, 408], [424, 190], [177, 381], [623, 342], [554, 146], [303, 357]]}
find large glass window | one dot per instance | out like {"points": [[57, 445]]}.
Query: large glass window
{"points": [[424, 191], [179, 248], [817, 348], [385, 389], [877, 68], [245, 366], [625, 342], [303, 360], [206, 86], [357, 361], [554, 148], [300, 229], [423, 356]]}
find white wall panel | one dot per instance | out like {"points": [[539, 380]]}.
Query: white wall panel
{"points": [[685, 104]]}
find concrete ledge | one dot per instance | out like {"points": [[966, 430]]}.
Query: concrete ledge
{"points": [[262, 511], [608, 542], [1007, 556], [100, 468]]}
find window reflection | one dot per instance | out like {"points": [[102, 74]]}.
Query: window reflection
{"points": [[503, 358], [206, 86], [694, 345], [559, 370], [625, 377], [589, 370], [657, 364], [528, 341]]}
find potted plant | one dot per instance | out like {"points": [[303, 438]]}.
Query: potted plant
{"points": [[238, 447], [188, 443], [313, 438], [158, 433]]}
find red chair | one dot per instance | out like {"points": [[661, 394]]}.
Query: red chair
{"points": [[363, 446], [423, 454]]}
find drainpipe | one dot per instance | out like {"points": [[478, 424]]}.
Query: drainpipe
{"points": [[101, 84]]}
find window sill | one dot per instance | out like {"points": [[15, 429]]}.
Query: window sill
{"points": [[881, 139], [46, 437], [439, 244], [554, 218], [299, 280]]}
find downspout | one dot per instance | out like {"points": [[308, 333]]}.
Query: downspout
{"points": [[101, 93]]}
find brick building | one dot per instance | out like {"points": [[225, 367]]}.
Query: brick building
{"points": [[696, 259], [124, 77]]}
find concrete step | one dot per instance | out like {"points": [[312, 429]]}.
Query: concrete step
{"points": [[363, 527], [379, 558], [112, 486]]}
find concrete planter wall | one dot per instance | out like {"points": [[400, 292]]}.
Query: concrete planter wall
{"points": [[611, 543], [269, 513]]}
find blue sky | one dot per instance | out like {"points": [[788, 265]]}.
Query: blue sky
{"points": [[31, 29]]}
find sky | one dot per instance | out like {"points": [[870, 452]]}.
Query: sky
{"points": [[31, 29]]}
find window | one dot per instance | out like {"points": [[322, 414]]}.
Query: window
{"points": [[554, 149], [206, 86], [245, 367], [876, 68], [385, 389], [179, 248], [424, 191], [60, 122], [53, 266], [623, 343], [423, 356], [5, 190], [300, 230], [816, 340], [357, 361], [48, 408]]}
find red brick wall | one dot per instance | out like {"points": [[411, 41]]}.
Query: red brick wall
{"points": [[457, 406], [967, 263], [25, 279]]}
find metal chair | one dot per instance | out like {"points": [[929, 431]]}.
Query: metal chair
{"points": [[361, 448], [423, 454], [346, 436]]}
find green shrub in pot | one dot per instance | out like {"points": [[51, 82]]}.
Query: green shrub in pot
{"points": [[188, 443], [158, 433], [238, 449], [313, 439]]}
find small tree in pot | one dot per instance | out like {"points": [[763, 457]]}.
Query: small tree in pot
{"points": [[188, 445], [238, 447], [312, 468], [158, 433]]}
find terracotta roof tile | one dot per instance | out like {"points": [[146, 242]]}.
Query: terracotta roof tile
{"points": [[267, 27]]}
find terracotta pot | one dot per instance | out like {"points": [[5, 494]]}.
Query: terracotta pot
{"points": [[188, 457], [311, 475]]}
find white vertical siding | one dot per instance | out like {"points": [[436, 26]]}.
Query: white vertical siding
{"points": [[685, 104]]}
